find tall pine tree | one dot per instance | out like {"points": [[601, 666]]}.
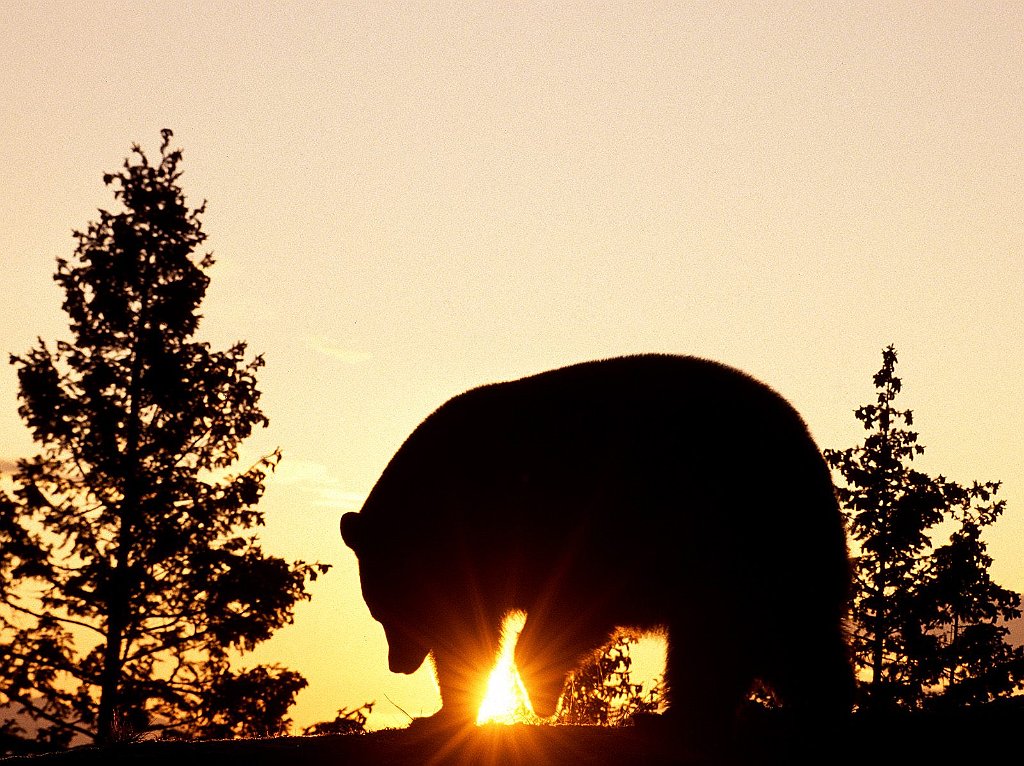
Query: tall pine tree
{"points": [[129, 572], [928, 621]]}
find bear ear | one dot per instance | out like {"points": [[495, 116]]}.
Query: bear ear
{"points": [[352, 531]]}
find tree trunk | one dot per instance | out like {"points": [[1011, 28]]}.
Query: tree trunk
{"points": [[877, 657], [119, 600], [111, 675]]}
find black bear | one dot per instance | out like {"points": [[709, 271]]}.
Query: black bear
{"points": [[653, 492]]}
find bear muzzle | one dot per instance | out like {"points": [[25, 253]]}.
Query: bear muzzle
{"points": [[404, 655]]}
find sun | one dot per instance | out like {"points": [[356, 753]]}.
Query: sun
{"points": [[505, 700]]}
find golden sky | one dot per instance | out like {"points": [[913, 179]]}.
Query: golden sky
{"points": [[410, 199]]}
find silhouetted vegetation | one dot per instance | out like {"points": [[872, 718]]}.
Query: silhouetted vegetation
{"points": [[602, 692], [348, 721], [928, 620], [128, 569]]}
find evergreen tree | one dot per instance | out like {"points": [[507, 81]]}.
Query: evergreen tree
{"points": [[926, 620], [974, 662], [129, 572]]}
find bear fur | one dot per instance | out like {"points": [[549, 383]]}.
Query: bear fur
{"points": [[655, 492]]}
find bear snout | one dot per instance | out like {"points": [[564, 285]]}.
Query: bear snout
{"points": [[404, 662], [404, 655]]}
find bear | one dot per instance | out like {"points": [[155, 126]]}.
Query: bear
{"points": [[652, 492]]}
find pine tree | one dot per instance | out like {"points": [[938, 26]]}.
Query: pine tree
{"points": [[974, 661], [926, 619], [129, 572]]}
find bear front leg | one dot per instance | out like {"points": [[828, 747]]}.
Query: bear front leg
{"points": [[462, 668]]}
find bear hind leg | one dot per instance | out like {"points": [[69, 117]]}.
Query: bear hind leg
{"points": [[550, 647], [814, 679], [708, 678]]}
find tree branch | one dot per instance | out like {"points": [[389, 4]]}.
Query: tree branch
{"points": [[37, 712], [51, 616]]}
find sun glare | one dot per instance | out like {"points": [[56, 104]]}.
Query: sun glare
{"points": [[505, 700]]}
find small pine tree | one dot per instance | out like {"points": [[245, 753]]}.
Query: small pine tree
{"points": [[973, 661], [926, 619], [128, 569]]}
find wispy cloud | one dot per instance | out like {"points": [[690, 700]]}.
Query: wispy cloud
{"points": [[321, 344], [8, 466], [315, 478]]}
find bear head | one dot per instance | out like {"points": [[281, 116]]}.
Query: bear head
{"points": [[388, 580]]}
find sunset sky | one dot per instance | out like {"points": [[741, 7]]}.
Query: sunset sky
{"points": [[407, 200]]}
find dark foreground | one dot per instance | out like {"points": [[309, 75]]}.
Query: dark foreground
{"points": [[904, 739]]}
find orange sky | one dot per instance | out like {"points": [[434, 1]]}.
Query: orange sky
{"points": [[407, 200]]}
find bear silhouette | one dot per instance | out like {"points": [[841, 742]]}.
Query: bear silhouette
{"points": [[653, 492]]}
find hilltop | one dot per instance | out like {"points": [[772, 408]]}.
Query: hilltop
{"points": [[898, 739]]}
